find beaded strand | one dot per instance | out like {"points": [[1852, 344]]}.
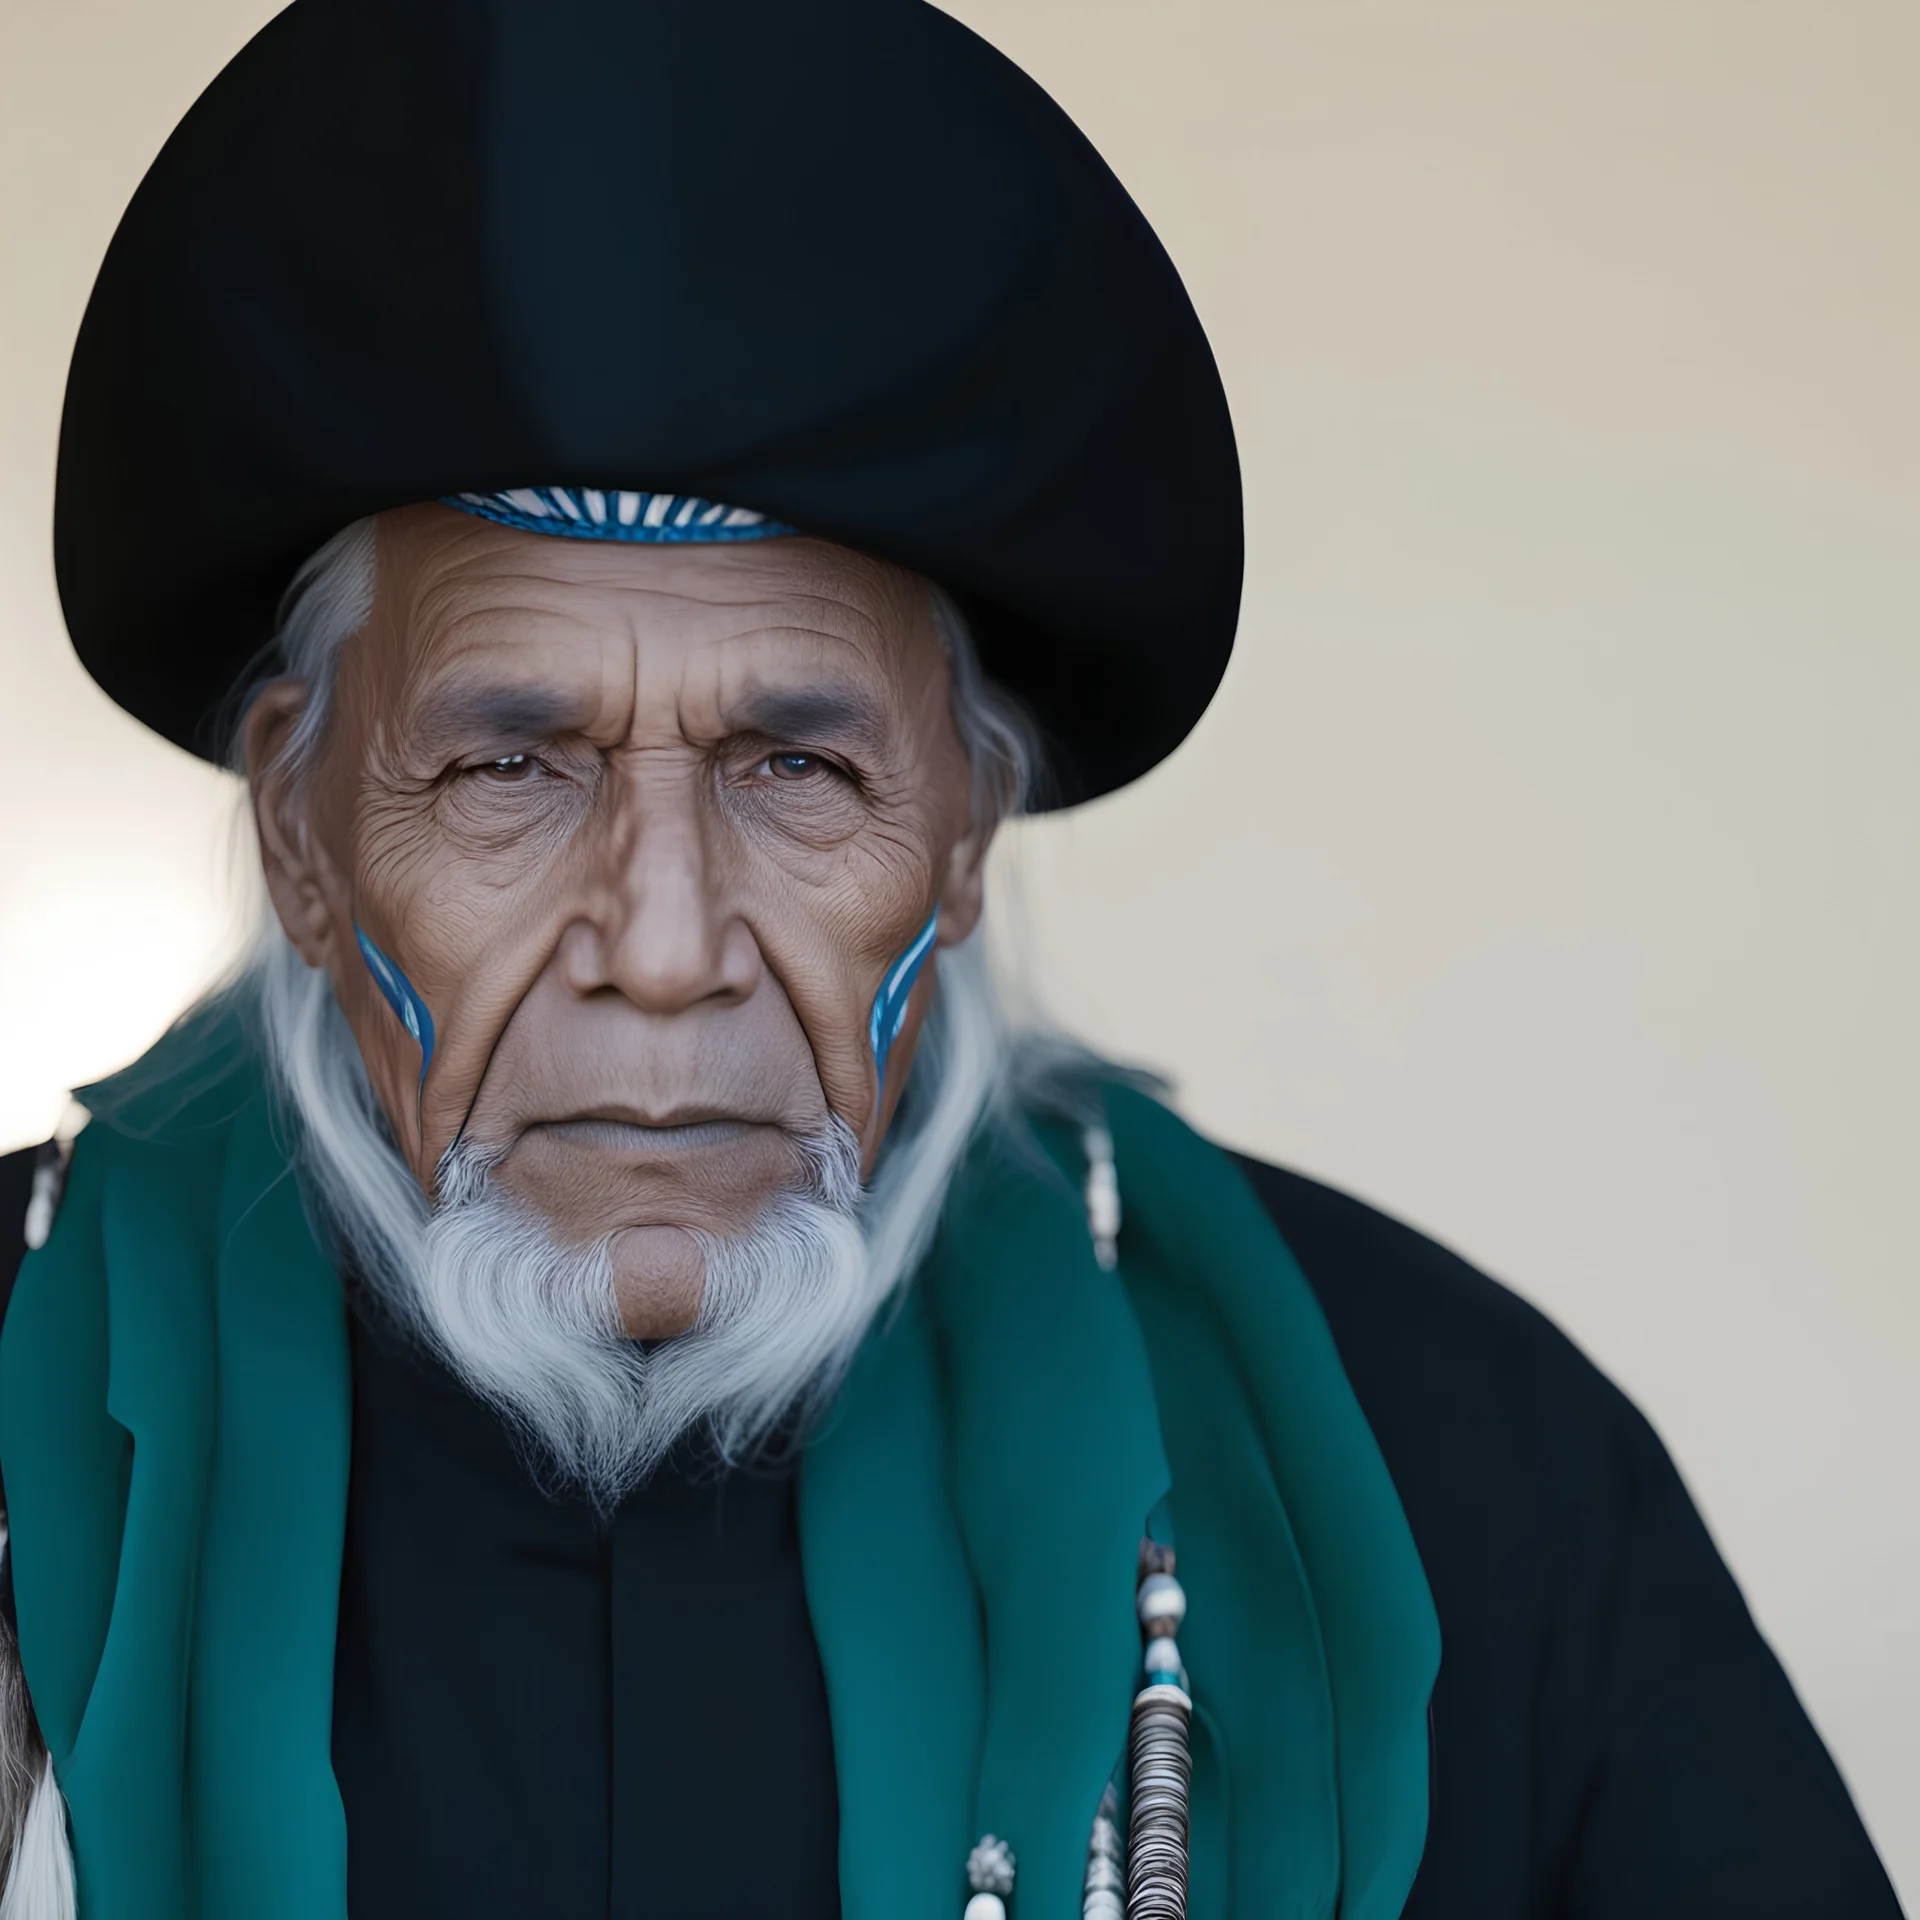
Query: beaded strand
{"points": [[1136, 1864], [1159, 1751], [1103, 1894]]}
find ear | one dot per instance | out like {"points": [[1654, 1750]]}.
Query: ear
{"points": [[290, 859], [963, 891]]}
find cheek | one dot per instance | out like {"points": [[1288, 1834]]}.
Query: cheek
{"points": [[857, 972], [850, 936], [443, 965]]}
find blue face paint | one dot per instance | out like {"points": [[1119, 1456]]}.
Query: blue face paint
{"points": [[400, 996], [890, 1003]]}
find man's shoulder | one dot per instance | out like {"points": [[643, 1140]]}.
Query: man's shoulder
{"points": [[1483, 1407], [1356, 1254], [1611, 1733], [1405, 1300], [1532, 1488]]}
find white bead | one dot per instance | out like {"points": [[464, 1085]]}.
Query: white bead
{"points": [[1162, 1598], [1103, 1202], [1162, 1657], [1104, 1905], [1103, 1198], [986, 1906], [1105, 1876], [49, 1181], [40, 1209]]}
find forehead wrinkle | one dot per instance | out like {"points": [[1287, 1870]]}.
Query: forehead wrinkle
{"points": [[870, 652], [881, 626], [836, 602], [480, 683], [794, 630], [774, 620], [868, 608], [456, 608], [752, 684], [477, 627]]}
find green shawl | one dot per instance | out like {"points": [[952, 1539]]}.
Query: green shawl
{"points": [[174, 1422]]}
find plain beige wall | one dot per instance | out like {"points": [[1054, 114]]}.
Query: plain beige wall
{"points": [[1546, 870]]}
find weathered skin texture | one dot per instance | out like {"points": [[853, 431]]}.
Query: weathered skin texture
{"points": [[645, 826]]}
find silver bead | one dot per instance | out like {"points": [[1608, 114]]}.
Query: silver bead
{"points": [[990, 1868], [985, 1906], [1162, 1659], [1161, 1766], [1162, 1597], [1164, 1693]]}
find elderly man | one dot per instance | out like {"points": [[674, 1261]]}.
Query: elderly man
{"points": [[600, 1376]]}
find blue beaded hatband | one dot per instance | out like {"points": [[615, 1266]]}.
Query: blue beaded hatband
{"points": [[594, 513]]}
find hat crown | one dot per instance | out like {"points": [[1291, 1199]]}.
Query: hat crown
{"points": [[843, 263]]}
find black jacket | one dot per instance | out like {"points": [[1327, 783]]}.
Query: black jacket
{"points": [[1612, 1739]]}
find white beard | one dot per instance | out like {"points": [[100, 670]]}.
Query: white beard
{"points": [[532, 1327], [530, 1324]]}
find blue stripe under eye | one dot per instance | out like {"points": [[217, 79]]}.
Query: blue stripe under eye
{"points": [[890, 1003], [409, 1009]]}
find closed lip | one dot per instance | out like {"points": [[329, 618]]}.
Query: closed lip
{"points": [[677, 1130], [620, 1113]]}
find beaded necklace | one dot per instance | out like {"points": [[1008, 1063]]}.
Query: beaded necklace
{"points": [[1137, 1853], [1139, 1873]]}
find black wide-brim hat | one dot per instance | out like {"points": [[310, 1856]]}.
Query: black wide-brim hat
{"points": [[834, 261]]}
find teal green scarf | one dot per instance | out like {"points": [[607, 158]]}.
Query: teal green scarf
{"points": [[174, 1401]]}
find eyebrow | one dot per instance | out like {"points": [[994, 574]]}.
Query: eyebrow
{"points": [[491, 712], [813, 713]]}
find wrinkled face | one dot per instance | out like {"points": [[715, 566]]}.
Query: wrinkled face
{"points": [[645, 829]]}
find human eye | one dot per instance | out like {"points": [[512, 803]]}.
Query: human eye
{"points": [[795, 766], [509, 769]]}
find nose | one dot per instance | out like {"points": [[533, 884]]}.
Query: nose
{"points": [[660, 931]]}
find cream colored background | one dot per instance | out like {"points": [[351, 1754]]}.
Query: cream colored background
{"points": [[1546, 871]]}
